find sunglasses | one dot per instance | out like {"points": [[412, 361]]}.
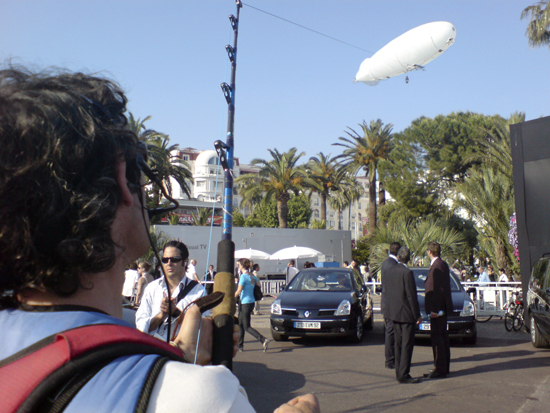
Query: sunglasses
{"points": [[175, 260]]}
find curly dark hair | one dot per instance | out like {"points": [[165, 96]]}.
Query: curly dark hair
{"points": [[61, 135]]}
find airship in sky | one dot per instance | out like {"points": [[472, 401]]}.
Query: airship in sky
{"points": [[410, 51]]}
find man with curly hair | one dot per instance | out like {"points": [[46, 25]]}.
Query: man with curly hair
{"points": [[72, 218]]}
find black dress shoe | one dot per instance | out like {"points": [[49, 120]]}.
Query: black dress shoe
{"points": [[409, 380], [435, 375], [390, 366]]}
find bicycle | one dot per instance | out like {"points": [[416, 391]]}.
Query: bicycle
{"points": [[519, 320], [513, 319]]}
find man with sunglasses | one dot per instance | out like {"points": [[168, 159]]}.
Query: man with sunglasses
{"points": [[152, 315]]}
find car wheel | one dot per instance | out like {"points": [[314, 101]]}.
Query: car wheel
{"points": [[358, 336], [278, 336], [536, 338], [470, 340], [369, 325]]}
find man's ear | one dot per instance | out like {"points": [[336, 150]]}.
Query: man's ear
{"points": [[127, 198]]}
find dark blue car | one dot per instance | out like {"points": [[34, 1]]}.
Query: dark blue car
{"points": [[461, 323], [323, 302]]}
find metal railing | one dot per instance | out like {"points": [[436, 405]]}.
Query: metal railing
{"points": [[491, 299]]}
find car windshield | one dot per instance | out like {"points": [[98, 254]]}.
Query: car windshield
{"points": [[321, 281], [420, 275]]}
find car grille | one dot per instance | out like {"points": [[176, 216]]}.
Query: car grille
{"points": [[295, 313], [324, 313]]}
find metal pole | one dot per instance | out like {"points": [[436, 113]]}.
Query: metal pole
{"points": [[222, 351]]}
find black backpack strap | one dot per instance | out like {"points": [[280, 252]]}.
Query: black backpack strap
{"points": [[147, 389], [190, 285]]}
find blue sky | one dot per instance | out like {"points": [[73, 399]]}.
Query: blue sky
{"points": [[294, 87]]}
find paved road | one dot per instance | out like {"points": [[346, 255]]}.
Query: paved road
{"points": [[503, 373]]}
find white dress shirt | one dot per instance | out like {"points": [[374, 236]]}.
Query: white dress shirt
{"points": [[152, 299]]}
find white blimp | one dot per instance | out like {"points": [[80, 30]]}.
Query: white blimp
{"points": [[408, 52]]}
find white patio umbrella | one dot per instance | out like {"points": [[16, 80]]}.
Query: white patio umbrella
{"points": [[252, 254], [295, 253]]}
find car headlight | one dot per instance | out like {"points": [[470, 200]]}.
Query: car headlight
{"points": [[344, 308], [468, 309], [276, 307]]}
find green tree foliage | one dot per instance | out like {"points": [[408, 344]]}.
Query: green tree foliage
{"points": [[324, 177], [265, 213], [278, 178], [488, 198], [365, 152], [361, 252], [318, 224], [202, 216], [238, 219], [405, 178], [299, 211], [445, 141], [415, 234], [158, 240], [538, 28], [167, 167], [173, 219], [348, 191]]}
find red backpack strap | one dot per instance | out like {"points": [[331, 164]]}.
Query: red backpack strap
{"points": [[44, 365]]}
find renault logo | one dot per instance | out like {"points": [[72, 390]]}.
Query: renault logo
{"points": [[307, 313]]}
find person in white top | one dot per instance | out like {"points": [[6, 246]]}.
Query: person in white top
{"points": [[152, 315], [131, 277], [192, 271], [503, 278], [291, 271]]}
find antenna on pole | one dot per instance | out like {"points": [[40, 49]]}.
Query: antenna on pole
{"points": [[224, 314]]}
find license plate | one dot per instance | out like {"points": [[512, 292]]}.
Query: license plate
{"points": [[427, 326], [309, 325]]}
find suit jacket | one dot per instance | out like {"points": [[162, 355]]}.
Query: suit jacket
{"points": [[384, 269], [438, 288], [401, 298]]}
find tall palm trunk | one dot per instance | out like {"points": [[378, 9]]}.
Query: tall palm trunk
{"points": [[282, 210], [381, 194], [323, 207], [502, 257], [372, 202]]}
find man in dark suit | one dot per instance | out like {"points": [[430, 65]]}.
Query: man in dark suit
{"points": [[403, 310], [439, 304], [389, 340]]}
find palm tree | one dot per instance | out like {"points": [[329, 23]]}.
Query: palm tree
{"points": [[366, 152], [415, 234], [278, 177], [324, 176], [488, 198], [173, 219], [137, 125], [158, 240], [201, 217], [347, 192], [167, 166], [538, 29], [496, 150]]}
